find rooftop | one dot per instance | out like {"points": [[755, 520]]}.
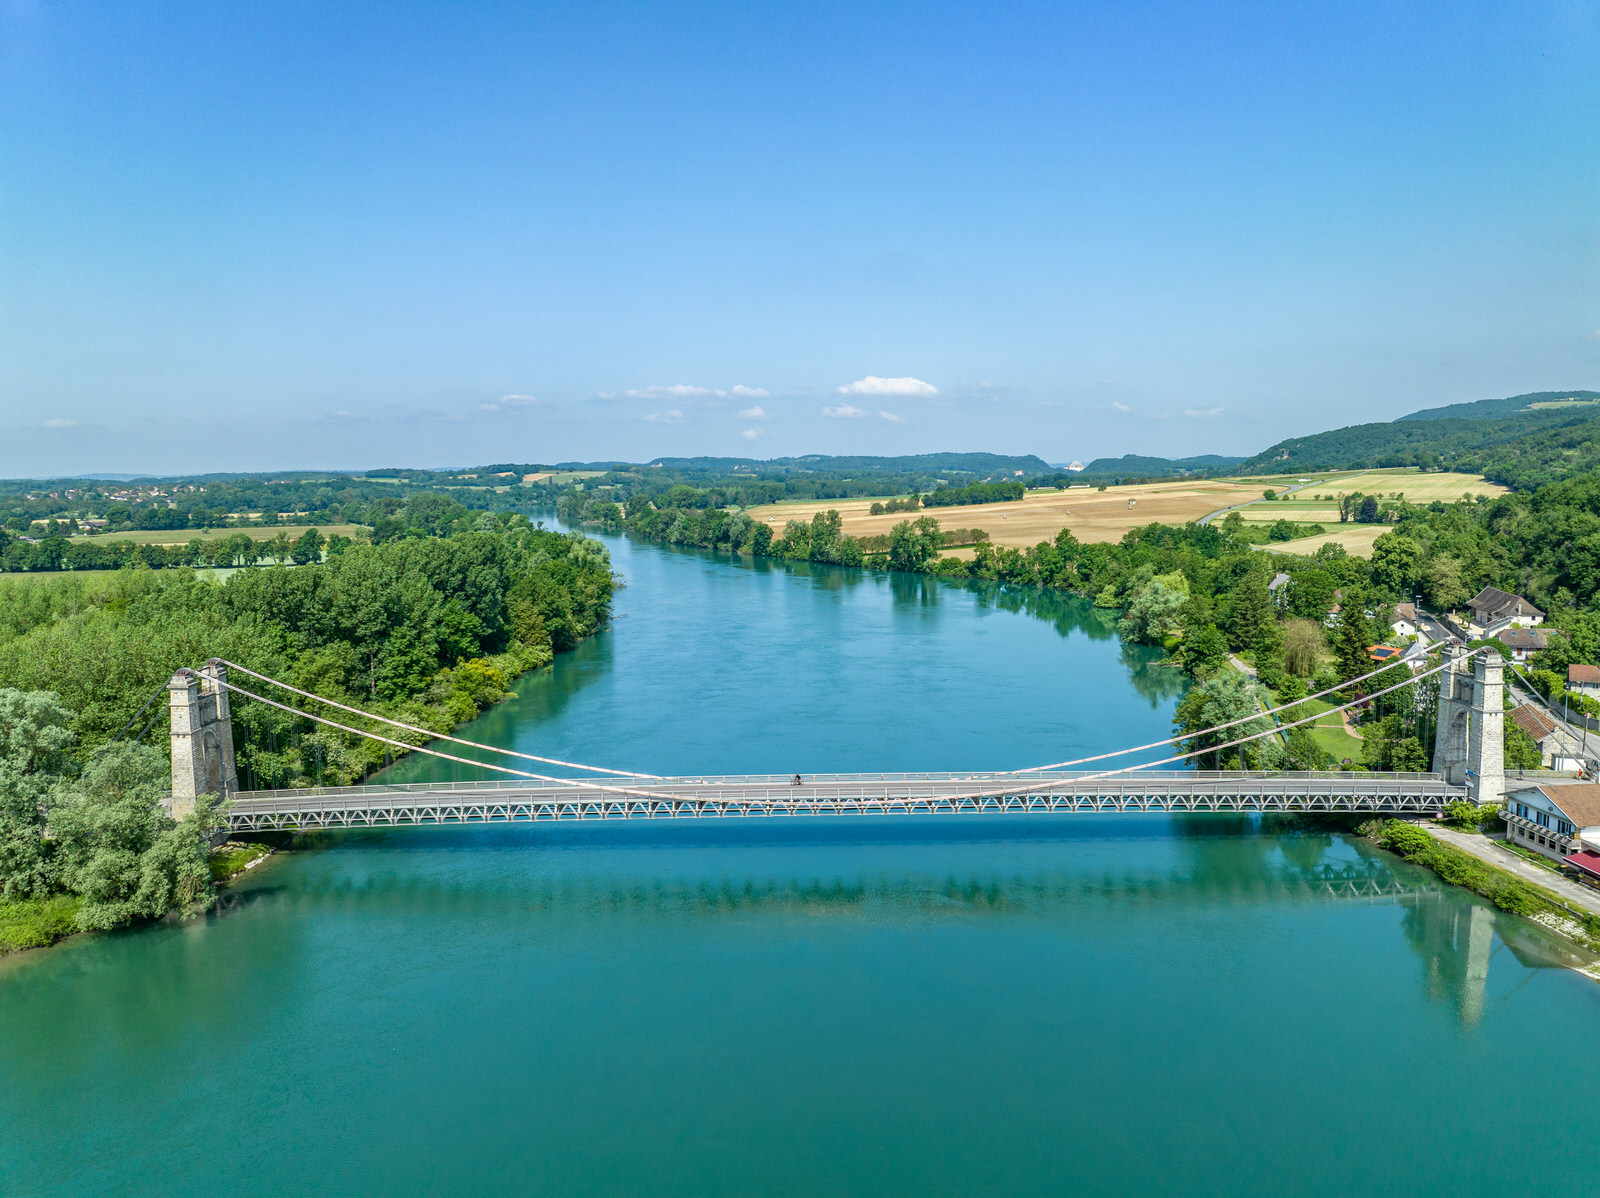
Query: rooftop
{"points": [[1501, 604], [1524, 638], [1533, 721], [1584, 674], [1579, 802]]}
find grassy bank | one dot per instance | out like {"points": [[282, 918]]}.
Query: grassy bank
{"points": [[34, 923], [1504, 890]]}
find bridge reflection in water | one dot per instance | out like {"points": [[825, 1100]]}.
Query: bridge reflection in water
{"points": [[1455, 936]]}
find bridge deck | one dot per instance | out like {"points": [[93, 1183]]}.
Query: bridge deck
{"points": [[775, 795]]}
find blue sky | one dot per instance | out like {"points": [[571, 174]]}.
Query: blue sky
{"points": [[334, 235]]}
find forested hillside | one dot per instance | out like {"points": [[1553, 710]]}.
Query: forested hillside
{"points": [[1521, 442], [1132, 465]]}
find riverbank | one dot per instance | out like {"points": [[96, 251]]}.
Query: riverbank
{"points": [[1512, 885], [39, 923]]}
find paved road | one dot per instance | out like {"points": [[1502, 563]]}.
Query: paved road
{"points": [[1223, 511], [1496, 854], [1435, 629]]}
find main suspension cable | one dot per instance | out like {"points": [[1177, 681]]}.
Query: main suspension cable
{"points": [[1273, 731], [597, 769], [584, 783], [1156, 744]]}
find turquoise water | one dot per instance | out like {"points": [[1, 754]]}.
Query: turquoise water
{"points": [[1085, 1005]]}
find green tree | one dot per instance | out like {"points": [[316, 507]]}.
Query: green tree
{"points": [[118, 850], [1152, 613], [1396, 561], [1443, 583], [1302, 752], [1521, 751], [1353, 640], [308, 548], [35, 733], [1252, 610], [914, 543], [1204, 651], [1304, 643], [1218, 700]]}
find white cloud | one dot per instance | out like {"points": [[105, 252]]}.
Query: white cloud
{"points": [[669, 417], [676, 391], [59, 422], [873, 385], [1201, 413], [750, 434], [755, 413], [892, 418], [1120, 407], [740, 391], [488, 407], [843, 412], [519, 401]]}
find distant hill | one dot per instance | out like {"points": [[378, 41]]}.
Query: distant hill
{"points": [[1497, 409], [1132, 464], [1521, 441], [977, 464]]}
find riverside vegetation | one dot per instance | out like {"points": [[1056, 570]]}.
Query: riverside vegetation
{"points": [[1204, 594], [427, 629]]}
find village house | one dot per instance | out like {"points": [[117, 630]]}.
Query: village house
{"points": [[1405, 620], [1584, 680], [1556, 820], [1491, 610], [1523, 642], [1559, 748]]}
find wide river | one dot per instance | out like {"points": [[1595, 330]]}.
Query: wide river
{"points": [[1070, 1005]]}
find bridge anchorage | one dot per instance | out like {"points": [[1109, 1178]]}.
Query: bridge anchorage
{"points": [[1466, 765]]}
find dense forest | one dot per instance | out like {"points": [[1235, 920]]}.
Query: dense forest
{"points": [[428, 628], [1132, 465], [1521, 442]]}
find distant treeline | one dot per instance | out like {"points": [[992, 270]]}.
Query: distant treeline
{"points": [[429, 629], [420, 514], [974, 493]]}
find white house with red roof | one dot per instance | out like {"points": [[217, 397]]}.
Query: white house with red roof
{"points": [[1557, 820]]}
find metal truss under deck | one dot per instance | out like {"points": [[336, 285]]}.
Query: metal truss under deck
{"points": [[763, 796]]}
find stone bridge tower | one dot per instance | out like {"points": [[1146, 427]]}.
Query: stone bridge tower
{"points": [[1469, 748], [202, 737]]}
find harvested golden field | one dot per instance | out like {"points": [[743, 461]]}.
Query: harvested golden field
{"points": [[1092, 515]]}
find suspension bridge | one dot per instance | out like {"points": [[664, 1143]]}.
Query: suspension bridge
{"points": [[1467, 765]]}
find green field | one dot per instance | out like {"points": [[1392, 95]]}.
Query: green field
{"points": [[182, 536], [1318, 502]]}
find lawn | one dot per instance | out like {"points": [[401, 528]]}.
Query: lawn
{"points": [[1328, 733]]}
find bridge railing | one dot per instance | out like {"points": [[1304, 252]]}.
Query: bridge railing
{"points": [[781, 785]]}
